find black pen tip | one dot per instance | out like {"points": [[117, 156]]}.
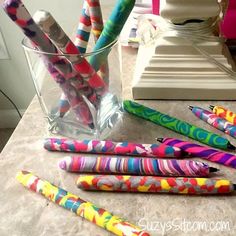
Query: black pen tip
{"points": [[231, 146], [234, 187], [190, 107], [160, 140], [213, 169], [211, 107]]}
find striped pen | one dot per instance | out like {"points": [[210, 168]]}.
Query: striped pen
{"points": [[135, 166], [206, 153], [214, 120], [59, 68], [177, 125], [84, 29]]}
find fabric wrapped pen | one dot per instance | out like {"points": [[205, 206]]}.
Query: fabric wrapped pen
{"points": [[224, 113], [80, 207], [215, 121], [84, 29], [111, 30], [54, 31], [154, 184], [112, 148], [96, 18], [135, 166], [60, 69], [196, 150], [177, 125]]}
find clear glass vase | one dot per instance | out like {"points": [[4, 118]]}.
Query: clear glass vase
{"points": [[88, 119]]}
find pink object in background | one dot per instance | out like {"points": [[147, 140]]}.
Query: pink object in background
{"points": [[228, 28], [155, 6]]}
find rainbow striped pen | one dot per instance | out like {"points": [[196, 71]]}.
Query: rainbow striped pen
{"points": [[135, 166]]}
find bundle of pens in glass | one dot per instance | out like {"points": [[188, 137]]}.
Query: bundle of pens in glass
{"points": [[79, 91]]}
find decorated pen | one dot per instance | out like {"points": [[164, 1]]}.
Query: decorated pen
{"points": [[196, 150], [111, 30], [96, 18], [59, 68], [112, 148], [214, 120], [84, 28], [224, 113], [90, 78], [80, 207], [154, 184], [177, 125], [135, 166]]}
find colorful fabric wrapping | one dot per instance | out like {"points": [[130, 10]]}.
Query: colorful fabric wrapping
{"points": [[84, 29], [96, 18], [134, 166], [80, 207], [90, 78], [81, 42], [177, 125], [110, 147], [153, 184], [64, 105], [225, 114], [111, 30], [215, 121], [206, 153], [59, 68]]}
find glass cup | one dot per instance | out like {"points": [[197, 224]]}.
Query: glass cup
{"points": [[77, 115]]}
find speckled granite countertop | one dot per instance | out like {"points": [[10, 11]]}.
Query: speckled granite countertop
{"points": [[25, 213]]}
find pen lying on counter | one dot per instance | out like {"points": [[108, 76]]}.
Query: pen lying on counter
{"points": [[177, 125], [196, 150], [135, 166], [80, 207], [224, 113], [214, 120], [154, 184]]}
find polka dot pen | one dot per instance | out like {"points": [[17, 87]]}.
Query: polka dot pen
{"points": [[113, 148], [214, 120], [80, 207], [154, 184], [224, 113], [177, 125], [204, 152], [135, 166]]}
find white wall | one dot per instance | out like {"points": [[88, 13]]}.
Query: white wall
{"points": [[14, 75]]}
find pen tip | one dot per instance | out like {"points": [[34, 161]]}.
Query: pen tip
{"points": [[211, 107], [160, 140], [190, 107], [234, 187], [231, 146], [213, 169]]}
